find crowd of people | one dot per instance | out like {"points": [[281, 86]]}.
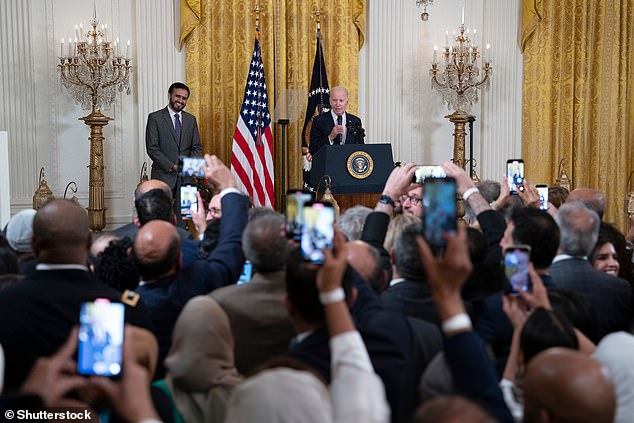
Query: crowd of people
{"points": [[387, 329]]}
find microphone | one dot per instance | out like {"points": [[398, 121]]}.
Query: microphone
{"points": [[339, 122]]}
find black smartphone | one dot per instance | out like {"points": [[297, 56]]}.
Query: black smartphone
{"points": [[245, 276], [514, 174], [542, 190], [423, 172], [317, 230], [516, 259], [189, 200], [100, 350], [439, 209], [295, 200], [191, 166]]}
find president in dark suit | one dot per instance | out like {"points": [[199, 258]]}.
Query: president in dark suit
{"points": [[335, 126], [171, 132]]}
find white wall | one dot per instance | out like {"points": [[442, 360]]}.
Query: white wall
{"points": [[396, 102], [395, 98], [42, 118]]}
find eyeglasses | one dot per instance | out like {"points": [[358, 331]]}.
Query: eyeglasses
{"points": [[214, 211], [412, 199]]}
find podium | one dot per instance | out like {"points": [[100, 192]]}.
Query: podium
{"points": [[358, 172]]}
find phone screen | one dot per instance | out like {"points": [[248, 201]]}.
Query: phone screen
{"points": [[189, 200], [245, 276], [514, 174], [423, 172], [439, 209], [542, 190], [191, 166], [317, 230], [516, 259], [100, 350], [295, 200]]}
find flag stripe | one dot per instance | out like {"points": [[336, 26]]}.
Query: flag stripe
{"points": [[252, 161]]}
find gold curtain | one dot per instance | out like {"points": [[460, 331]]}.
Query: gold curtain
{"points": [[579, 94], [219, 36]]}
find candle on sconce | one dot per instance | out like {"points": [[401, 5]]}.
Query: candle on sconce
{"points": [[61, 49], [105, 31], [81, 30], [486, 53], [435, 55], [127, 50], [75, 48], [76, 31], [116, 43], [462, 16], [70, 47], [446, 38]]}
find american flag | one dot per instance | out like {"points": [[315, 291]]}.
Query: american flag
{"points": [[252, 150]]}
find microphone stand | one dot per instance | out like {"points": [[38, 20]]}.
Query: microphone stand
{"points": [[284, 124]]}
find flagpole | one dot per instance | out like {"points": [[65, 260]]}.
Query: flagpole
{"points": [[284, 124]]}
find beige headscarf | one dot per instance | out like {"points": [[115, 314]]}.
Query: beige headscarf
{"points": [[280, 395], [200, 364]]}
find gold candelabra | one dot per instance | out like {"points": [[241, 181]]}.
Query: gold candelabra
{"points": [[458, 77], [93, 69]]}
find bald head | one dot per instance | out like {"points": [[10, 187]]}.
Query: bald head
{"points": [[156, 250], [451, 409], [365, 259], [592, 198], [146, 186], [61, 233], [566, 385]]}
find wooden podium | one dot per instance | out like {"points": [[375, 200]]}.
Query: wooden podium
{"points": [[358, 172]]}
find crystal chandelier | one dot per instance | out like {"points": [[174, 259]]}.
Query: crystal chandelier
{"points": [[458, 76], [93, 69], [424, 16]]}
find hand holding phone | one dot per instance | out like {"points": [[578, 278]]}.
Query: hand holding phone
{"points": [[100, 349], [188, 200], [542, 190], [295, 200], [515, 174], [516, 260], [423, 172], [191, 166], [439, 210]]}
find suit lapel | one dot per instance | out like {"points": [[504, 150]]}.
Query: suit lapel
{"points": [[170, 125]]}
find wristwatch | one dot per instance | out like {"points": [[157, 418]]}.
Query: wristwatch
{"points": [[386, 199]]}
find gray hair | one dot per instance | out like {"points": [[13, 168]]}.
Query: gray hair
{"points": [[352, 220], [406, 255], [264, 244], [579, 227]]}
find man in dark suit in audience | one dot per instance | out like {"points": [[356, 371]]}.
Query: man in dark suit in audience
{"points": [[39, 312], [336, 126], [166, 285], [259, 322], [608, 295]]}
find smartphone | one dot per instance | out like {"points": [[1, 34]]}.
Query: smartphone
{"points": [[439, 209], [516, 259], [191, 166], [542, 190], [100, 350], [514, 174], [295, 200], [189, 200], [423, 172], [317, 230], [245, 276]]}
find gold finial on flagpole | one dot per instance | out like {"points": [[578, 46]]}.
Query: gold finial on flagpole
{"points": [[317, 14], [258, 11]]}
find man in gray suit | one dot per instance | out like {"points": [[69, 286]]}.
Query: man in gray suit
{"points": [[608, 295], [260, 324], [171, 132]]}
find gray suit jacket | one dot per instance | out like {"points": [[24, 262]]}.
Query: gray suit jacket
{"points": [[609, 296], [163, 147], [259, 321]]}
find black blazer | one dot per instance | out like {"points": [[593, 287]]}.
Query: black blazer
{"points": [[322, 126], [38, 313], [609, 296], [411, 298], [163, 147]]}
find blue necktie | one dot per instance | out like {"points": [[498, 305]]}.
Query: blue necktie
{"points": [[178, 128]]}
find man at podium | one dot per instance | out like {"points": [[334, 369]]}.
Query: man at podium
{"points": [[336, 126]]}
